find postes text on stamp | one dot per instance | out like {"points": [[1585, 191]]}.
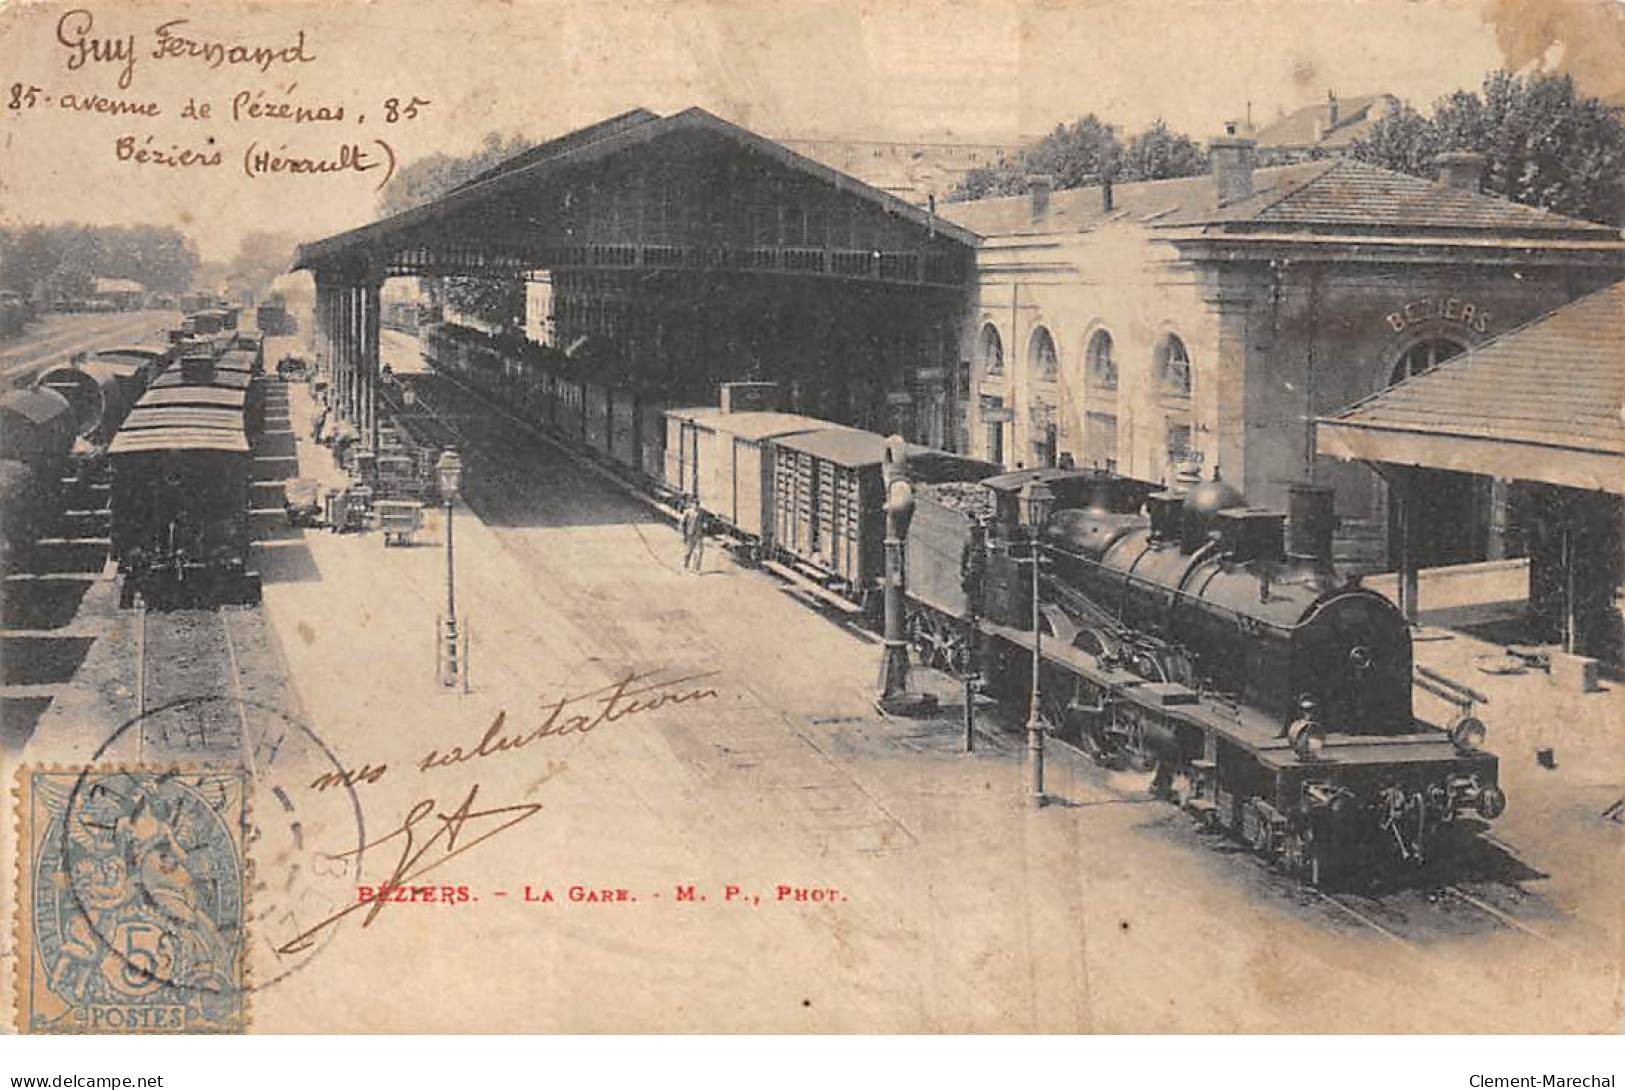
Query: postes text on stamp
{"points": [[131, 901]]}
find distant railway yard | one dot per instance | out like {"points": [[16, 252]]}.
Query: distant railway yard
{"points": [[673, 747]]}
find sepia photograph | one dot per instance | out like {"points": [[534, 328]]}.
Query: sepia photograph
{"points": [[831, 517]]}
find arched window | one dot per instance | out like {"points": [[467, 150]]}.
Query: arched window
{"points": [[1100, 410], [1174, 367], [992, 351], [1041, 354], [1424, 356], [1102, 367]]}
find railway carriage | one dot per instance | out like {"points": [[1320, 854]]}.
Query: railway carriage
{"points": [[727, 462], [828, 498], [180, 524], [37, 433], [98, 394], [229, 372], [182, 468], [38, 428], [134, 368]]}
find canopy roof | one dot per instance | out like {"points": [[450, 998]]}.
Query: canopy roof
{"points": [[1544, 402], [476, 225]]}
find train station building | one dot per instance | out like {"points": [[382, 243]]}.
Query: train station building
{"points": [[1212, 319], [1139, 326]]}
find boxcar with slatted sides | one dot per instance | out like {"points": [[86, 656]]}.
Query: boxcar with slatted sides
{"points": [[182, 468]]}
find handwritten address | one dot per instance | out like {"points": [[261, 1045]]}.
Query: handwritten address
{"points": [[277, 114]]}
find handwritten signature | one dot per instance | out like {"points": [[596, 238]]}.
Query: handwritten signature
{"points": [[459, 831], [73, 33]]}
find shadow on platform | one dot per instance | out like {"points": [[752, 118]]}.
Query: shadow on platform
{"points": [[42, 660], [285, 561], [19, 718], [41, 603]]}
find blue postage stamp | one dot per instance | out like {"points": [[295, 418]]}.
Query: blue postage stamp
{"points": [[132, 901]]}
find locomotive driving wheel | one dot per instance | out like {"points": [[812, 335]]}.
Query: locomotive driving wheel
{"points": [[1301, 856], [1070, 707], [1148, 664], [937, 643], [918, 635], [1092, 641]]}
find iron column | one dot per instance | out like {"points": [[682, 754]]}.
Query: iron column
{"points": [[892, 690]]}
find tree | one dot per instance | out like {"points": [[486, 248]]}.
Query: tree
{"points": [[67, 258], [1404, 141], [261, 257], [1081, 154], [1543, 143], [1159, 152], [422, 180]]}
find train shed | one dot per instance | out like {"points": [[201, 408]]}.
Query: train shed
{"points": [[685, 250], [1542, 407]]}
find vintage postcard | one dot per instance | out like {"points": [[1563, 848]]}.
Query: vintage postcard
{"points": [[915, 516]]}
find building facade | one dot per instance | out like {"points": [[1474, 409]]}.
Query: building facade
{"points": [[1211, 319]]}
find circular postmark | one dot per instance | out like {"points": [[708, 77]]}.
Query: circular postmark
{"points": [[157, 886]]}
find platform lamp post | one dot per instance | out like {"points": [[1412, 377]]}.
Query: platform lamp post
{"points": [[1036, 501], [449, 473], [892, 691]]}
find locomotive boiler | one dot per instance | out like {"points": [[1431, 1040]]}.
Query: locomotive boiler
{"points": [[1214, 645]]}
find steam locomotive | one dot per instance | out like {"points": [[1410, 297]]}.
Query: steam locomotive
{"points": [[1210, 644]]}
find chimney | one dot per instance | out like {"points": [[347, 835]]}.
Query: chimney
{"points": [[1331, 110], [1039, 188], [1310, 523], [1233, 160], [1461, 170]]}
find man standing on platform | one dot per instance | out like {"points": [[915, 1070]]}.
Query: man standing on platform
{"points": [[693, 536]]}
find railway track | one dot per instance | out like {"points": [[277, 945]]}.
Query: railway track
{"points": [[189, 686], [1422, 911]]}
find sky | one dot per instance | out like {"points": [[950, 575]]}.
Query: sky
{"points": [[973, 68]]}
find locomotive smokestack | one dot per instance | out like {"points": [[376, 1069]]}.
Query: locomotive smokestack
{"points": [[1310, 523]]}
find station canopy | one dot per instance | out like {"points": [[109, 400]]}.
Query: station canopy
{"points": [[1545, 402], [641, 193]]}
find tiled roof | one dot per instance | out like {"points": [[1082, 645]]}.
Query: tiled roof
{"points": [[1556, 382], [1360, 194], [1339, 193], [1311, 126], [1148, 202]]}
